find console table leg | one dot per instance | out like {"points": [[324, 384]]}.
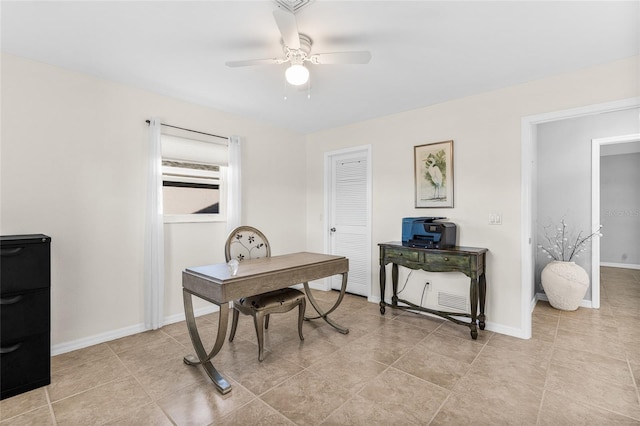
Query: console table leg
{"points": [[482, 296], [394, 282], [473, 296], [383, 285]]}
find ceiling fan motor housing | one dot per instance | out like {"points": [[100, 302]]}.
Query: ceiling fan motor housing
{"points": [[298, 56]]}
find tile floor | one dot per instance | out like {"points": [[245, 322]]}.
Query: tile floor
{"points": [[580, 368]]}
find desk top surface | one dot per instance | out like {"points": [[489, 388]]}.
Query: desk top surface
{"points": [[219, 272], [456, 249]]}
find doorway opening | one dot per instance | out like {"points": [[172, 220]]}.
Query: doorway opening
{"points": [[529, 198], [622, 144]]}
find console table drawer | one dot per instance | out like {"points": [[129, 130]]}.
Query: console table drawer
{"points": [[400, 255], [437, 262]]}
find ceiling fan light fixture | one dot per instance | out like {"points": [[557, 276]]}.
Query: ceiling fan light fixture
{"points": [[297, 74]]}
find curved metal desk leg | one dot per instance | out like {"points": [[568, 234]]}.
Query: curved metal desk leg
{"points": [[202, 357], [324, 315]]}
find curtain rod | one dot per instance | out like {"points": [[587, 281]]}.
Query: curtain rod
{"points": [[189, 130]]}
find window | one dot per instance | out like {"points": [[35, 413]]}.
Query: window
{"points": [[190, 188], [193, 181]]}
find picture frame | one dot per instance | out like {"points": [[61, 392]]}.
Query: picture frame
{"points": [[433, 167]]}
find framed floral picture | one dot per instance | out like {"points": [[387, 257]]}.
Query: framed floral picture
{"points": [[433, 165]]}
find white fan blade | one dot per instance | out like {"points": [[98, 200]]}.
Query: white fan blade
{"points": [[286, 22], [341, 58], [250, 62]]}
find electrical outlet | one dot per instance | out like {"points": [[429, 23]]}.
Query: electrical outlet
{"points": [[495, 219]]}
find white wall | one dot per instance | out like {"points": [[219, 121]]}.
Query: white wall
{"points": [[564, 174], [73, 167], [620, 209], [486, 130]]}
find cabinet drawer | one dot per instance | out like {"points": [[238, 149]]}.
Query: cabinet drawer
{"points": [[24, 314], [399, 255], [439, 262], [25, 365], [24, 267]]}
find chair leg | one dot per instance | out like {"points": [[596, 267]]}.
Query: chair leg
{"points": [[266, 321], [258, 320], [301, 309], [234, 324]]}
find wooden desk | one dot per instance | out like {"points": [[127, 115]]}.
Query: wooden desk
{"points": [[214, 284], [470, 261]]}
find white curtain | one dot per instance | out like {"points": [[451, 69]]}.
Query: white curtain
{"points": [[154, 234], [234, 192]]}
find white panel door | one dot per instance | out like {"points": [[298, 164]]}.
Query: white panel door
{"points": [[350, 217]]}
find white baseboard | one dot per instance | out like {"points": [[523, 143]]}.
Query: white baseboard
{"points": [[584, 304], [620, 265], [73, 345]]}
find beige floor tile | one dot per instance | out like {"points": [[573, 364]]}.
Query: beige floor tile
{"points": [[259, 377], [140, 357], [511, 365], [481, 399], [349, 371], [463, 332], [589, 390], [609, 345], [363, 319], [67, 382], [534, 348], [168, 376], [306, 398], [22, 403], [333, 336], [40, 416], [388, 343], [461, 349], [561, 410], [202, 404], [360, 411], [594, 365], [478, 410], [101, 404], [544, 308], [305, 352], [635, 368], [408, 398], [148, 415], [432, 367], [71, 359], [256, 413]]}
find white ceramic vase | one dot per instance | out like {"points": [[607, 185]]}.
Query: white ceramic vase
{"points": [[565, 284]]}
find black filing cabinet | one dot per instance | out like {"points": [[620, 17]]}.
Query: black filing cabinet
{"points": [[25, 313]]}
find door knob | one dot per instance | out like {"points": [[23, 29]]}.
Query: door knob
{"points": [[332, 229]]}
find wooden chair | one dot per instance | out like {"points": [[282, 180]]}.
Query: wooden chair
{"points": [[246, 242]]}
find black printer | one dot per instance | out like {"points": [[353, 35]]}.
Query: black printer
{"points": [[425, 232]]}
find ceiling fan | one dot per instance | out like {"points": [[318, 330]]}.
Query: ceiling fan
{"points": [[297, 50]]}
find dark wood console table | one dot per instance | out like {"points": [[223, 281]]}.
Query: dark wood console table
{"points": [[470, 261]]}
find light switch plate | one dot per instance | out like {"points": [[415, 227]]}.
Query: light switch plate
{"points": [[495, 219]]}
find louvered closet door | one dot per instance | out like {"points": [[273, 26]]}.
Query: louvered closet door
{"points": [[350, 219]]}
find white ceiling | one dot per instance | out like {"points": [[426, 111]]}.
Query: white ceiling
{"points": [[423, 52]]}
